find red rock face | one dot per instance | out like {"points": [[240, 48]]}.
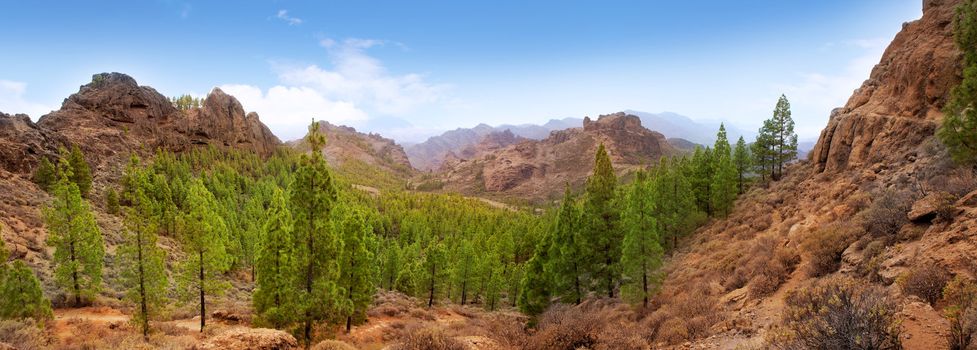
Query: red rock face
{"points": [[113, 116], [899, 105], [537, 170]]}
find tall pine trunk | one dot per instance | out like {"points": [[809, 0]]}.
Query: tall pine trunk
{"points": [[203, 304]]}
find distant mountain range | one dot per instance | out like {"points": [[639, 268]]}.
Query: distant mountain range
{"points": [[430, 154]]}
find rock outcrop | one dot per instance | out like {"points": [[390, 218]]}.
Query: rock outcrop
{"points": [[113, 116], [899, 105], [347, 148], [537, 170]]}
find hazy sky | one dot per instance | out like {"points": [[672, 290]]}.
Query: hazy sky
{"points": [[411, 68]]}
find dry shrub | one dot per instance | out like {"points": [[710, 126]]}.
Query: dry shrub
{"points": [[887, 213], [925, 281], [770, 266], [959, 296], [422, 314], [594, 324], [333, 345], [837, 313], [871, 261], [685, 314], [23, 334], [824, 248], [504, 329], [428, 339]]}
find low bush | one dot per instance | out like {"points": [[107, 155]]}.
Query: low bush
{"points": [[887, 213], [837, 313], [428, 339], [24, 334], [959, 296], [333, 345], [925, 281], [824, 248]]}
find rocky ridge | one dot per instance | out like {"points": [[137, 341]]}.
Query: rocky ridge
{"points": [[537, 170]]}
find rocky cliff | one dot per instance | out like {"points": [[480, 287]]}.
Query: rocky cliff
{"points": [[113, 116], [899, 105], [537, 170]]}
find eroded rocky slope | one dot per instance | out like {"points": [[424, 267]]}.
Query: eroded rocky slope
{"points": [[538, 170], [878, 149]]}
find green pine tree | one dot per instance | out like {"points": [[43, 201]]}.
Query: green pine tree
{"points": [[356, 266], [741, 161], [434, 271], [959, 129], [723, 184], [81, 173], [317, 245], [144, 272], [534, 286], [464, 270], [204, 235], [275, 290], [22, 294], [763, 151], [112, 202], [600, 218], [785, 140], [567, 253], [76, 238], [46, 175], [641, 253]]}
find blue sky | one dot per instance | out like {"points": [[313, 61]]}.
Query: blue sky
{"points": [[408, 69]]}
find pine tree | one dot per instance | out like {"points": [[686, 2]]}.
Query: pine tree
{"points": [[112, 202], [76, 238], [356, 267], [700, 177], [763, 151], [81, 173], [391, 264], [722, 187], [600, 220], [144, 271], [785, 140], [641, 252], [741, 160], [45, 176], [435, 270], [567, 252], [959, 129], [313, 197], [676, 212], [275, 290], [534, 286], [22, 294], [464, 270], [204, 236]]}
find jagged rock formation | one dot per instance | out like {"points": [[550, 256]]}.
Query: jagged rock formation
{"points": [[490, 143], [899, 105], [113, 116], [537, 170], [346, 147]]}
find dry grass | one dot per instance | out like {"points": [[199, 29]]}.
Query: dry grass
{"points": [[333, 345]]}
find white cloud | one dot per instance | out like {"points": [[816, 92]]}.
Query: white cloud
{"points": [[12, 100], [354, 87], [288, 110], [357, 76], [292, 21]]}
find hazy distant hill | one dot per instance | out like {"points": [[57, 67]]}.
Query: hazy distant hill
{"points": [[679, 126]]}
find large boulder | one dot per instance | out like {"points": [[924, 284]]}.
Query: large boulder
{"points": [[250, 339], [926, 209]]}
